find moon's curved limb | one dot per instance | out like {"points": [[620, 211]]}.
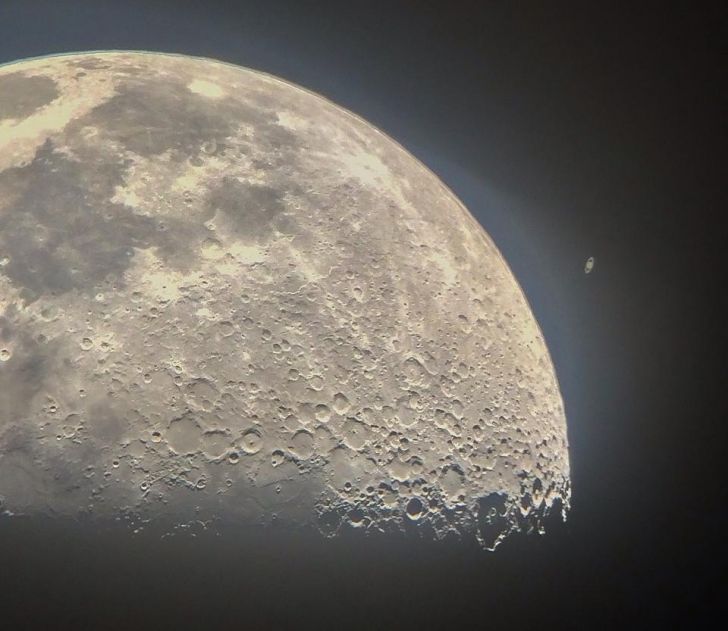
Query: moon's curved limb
{"points": [[224, 296]]}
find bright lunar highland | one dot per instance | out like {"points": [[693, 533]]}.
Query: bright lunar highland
{"points": [[225, 299]]}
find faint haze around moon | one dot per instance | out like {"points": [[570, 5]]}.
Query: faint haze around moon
{"points": [[224, 298]]}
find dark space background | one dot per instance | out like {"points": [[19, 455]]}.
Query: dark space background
{"points": [[569, 132]]}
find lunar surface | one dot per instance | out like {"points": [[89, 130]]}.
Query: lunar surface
{"points": [[227, 300]]}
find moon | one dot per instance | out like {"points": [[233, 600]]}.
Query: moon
{"points": [[224, 298]]}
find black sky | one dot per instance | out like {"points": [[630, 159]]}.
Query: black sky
{"points": [[569, 131]]}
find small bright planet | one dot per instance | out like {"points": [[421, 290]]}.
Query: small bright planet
{"points": [[225, 299]]}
